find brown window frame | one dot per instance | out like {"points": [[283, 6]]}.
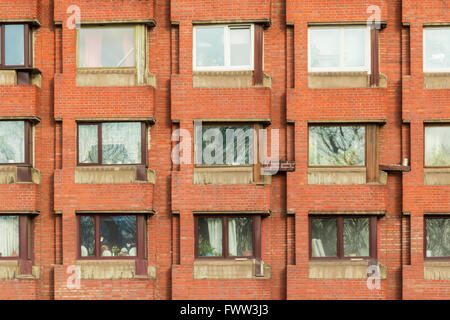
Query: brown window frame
{"points": [[141, 237], [144, 130], [373, 230], [425, 238], [27, 142], [28, 52], [370, 148], [225, 255], [425, 144]]}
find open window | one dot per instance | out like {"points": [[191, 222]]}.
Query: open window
{"points": [[345, 153], [437, 237], [16, 240], [343, 237], [112, 55], [227, 236]]}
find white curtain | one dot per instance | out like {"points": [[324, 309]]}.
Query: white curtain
{"points": [[215, 235], [232, 240], [9, 236], [88, 143], [121, 143]]}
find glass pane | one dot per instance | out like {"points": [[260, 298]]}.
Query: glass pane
{"points": [[356, 237], [324, 237], [121, 143], [240, 237], [240, 47], [210, 47], [14, 45], [9, 236], [87, 236], [336, 146], [354, 47], [438, 237], [437, 48], [325, 47], [118, 236], [230, 145], [88, 143], [437, 146], [106, 47], [12, 141], [210, 237]]}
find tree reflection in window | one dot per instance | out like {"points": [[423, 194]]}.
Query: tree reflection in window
{"points": [[87, 236], [337, 145], [240, 236], [438, 237], [324, 237], [356, 237], [12, 141], [437, 146]]}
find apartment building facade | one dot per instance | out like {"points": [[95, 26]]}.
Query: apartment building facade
{"points": [[341, 189]]}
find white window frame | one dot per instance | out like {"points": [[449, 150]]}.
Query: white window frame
{"points": [[425, 69], [227, 66], [367, 48]]}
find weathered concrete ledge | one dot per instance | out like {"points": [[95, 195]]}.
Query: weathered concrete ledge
{"points": [[223, 175], [340, 80], [110, 174], [436, 80], [111, 269], [8, 175], [229, 269], [342, 270], [227, 79], [111, 77], [436, 270], [9, 269], [341, 176], [436, 176]]}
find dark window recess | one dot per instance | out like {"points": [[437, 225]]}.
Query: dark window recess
{"points": [[227, 236], [16, 241], [437, 238], [16, 148], [104, 236], [113, 143], [342, 237]]}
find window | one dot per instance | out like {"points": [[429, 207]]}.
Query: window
{"points": [[339, 48], [337, 145], [111, 236], [106, 47], [111, 143], [436, 49], [15, 237], [15, 45], [437, 146], [342, 237], [223, 47], [227, 236], [230, 145], [14, 142], [437, 237]]}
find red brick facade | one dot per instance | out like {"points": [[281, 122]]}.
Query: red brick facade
{"points": [[399, 109]]}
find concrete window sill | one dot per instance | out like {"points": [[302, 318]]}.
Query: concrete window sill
{"points": [[9, 270], [112, 269], [436, 80], [227, 79], [8, 175], [436, 176], [228, 269], [341, 176], [227, 175], [436, 270], [342, 269], [111, 174], [341, 80], [112, 77]]}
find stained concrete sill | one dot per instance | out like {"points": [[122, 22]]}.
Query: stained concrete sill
{"points": [[8, 175], [227, 79], [436, 80], [436, 270], [227, 176], [436, 176], [112, 77], [357, 269], [112, 269], [342, 80], [9, 270], [342, 176], [111, 175], [229, 269]]}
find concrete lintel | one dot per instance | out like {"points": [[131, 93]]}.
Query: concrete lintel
{"points": [[436, 213], [148, 22], [437, 121], [124, 212], [265, 21], [383, 23], [33, 21], [361, 121], [148, 120], [436, 24], [33, 119], [243, 212], [238, 120], [20, 212], [364, 212]]}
